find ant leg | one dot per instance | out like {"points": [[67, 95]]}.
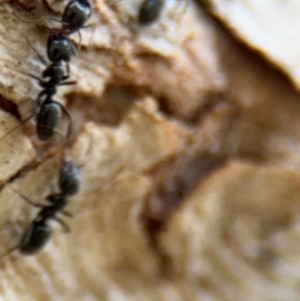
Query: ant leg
{"points": [[26, 73], [74, 82], [39, 99], [74, 52], [88, 26], [65, 77], [12, 130], [63, 224], [40, 57], [59, 132], [25, 198], [80, 40]]}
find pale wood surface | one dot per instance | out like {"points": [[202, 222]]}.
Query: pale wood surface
{"points": [[177, 124]]}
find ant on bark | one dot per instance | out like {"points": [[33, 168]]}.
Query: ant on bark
{"points": [[39, 232], [49, 111], [75, 15], [59, 49], [150, 11]]}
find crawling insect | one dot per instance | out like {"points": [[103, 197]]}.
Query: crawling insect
{"points": [[75, 15], [69, 178], [150, 12], [49, 111], [48, 119], [59, 47], [39, 232]]}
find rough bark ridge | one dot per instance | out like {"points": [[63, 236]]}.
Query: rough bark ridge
{"points": [[188, 144]]}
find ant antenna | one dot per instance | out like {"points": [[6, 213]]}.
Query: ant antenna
{"points": [[17, 127], [26, 73]]}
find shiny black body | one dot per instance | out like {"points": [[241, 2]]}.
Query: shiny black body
{"points": [[49, 111], [48, 119], [57, 77], [150, 12], [69, 180], [39, 232], [76, 14], [36, 237], [59, 48]]}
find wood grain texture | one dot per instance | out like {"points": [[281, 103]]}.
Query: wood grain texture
{"points": [[188, 147]]}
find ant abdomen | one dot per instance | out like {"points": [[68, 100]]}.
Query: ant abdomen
{"points": [[69, 179], [48, 119], [35, 238]]}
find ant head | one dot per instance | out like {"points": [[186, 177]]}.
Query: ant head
{"points": [[59, 48], [69, 178], [76, 14], [36, 236]]}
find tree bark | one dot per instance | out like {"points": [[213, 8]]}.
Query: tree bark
{"points": [[187, 143]]}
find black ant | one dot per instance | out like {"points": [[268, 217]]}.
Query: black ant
{"points": [[50, 111], [75, 15], [150, 11], [59, 48], [39, 232], [69, 178], [48, 119], [55, 72]]}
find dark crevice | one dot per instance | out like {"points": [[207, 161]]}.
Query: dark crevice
{"points": [[33, 165], [164, 107], [9, 107], [173, 181], [211, 101], [110, 109]]}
